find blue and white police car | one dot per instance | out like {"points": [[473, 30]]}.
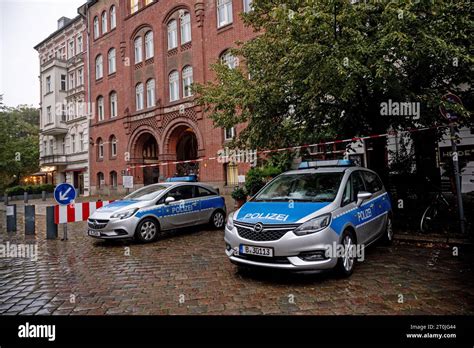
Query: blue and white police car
{"points": [[158, 207], [312, 218]]}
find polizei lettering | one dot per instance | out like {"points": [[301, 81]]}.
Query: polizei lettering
{"points": [[267, 216], [37, 331]]}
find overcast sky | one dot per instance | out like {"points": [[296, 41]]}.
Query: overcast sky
{"points": [[23, 24]]}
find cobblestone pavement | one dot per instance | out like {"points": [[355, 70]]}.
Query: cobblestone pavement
{"points": [[187, 272]]}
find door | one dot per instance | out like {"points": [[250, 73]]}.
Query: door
{"points": [[377, 206], [184, 210], [204, 197]]}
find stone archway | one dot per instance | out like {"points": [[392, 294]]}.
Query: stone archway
{"points": [[144, 151]]}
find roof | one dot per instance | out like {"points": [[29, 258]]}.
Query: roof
{"points": [[68, 24]]}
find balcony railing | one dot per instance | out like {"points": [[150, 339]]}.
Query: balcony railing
{"points": [[53, 160]]}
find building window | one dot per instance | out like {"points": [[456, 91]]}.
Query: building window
{"points": [[71, 80], [113, 17], [73, 143], [81, 141], [113, 179], [79, 44], [63, 146], [172, 35], [229, 133], [228, 59], [45, 148], [80, 77], [149, 45], [174, 86], [113, 104], [113, 146], [96, 27], [187, 81], [224, 12], [232, 174], [133, 6], [139, 96], [49, 114], [148, 2], [185, 28], [63, 112], [150, 93], [51, 147], [99, 70], [138, 49], [111, 59], [48, 84], [104, 22], [247, 5], [100, 180], [63, 82], [100, 148], [71, 49], [100, 108]]}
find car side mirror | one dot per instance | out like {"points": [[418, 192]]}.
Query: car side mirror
{"points": [[363, 196], [169, 200]]}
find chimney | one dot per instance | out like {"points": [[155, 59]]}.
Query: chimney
{"points": [[63, 21]]}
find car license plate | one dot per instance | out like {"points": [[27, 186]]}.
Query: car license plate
{"points": [[94, 233], [254, 250]]}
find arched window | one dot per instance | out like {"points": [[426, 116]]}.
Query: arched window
{"points": [[187, 81], [100, 148], [104, 22], [113, 104], [150, 93], [228, 59], [96, 27], [100, 180], [100, 108], [113, 146], [113, 17], [174, 85], [149, 45], [99, 69], [113, 179], [139, 96], [172, 35], [185, 28], [111, 60], [138, 49]]}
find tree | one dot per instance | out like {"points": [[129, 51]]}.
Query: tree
{"points": [[19, 144], [322, 69]]}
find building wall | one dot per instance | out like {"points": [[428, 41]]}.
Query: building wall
{"points": [[167, 122]]}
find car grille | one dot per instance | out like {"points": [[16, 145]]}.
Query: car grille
{"points": [[97, 224], [268, 233]]}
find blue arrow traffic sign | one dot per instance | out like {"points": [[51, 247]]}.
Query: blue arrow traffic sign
{"points": [[64, 193]]}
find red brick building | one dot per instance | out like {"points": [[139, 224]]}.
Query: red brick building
{"points": [[144, 55]]}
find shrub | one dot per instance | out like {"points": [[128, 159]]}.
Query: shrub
{"points": [[257, 178], [239, 194], [31, 189]]}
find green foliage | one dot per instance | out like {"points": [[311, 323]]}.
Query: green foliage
{"points": [[239, 194], [257, 177], [321, 69], [19, 150], [32, 189]]}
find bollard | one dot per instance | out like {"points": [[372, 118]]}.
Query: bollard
{"points": [[51, 227], [29, 219], [64, 232], [11, 218], [25, 197], [43, 196]]}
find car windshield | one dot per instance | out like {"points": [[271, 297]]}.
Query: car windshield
{"points": [[146, 193], [307, 187]]}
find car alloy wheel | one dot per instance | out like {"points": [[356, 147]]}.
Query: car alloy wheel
{"points": [[348, 259], [218, 219], [147, 231]]}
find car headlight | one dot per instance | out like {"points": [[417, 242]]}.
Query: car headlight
{"points": [[124, 214], [314, 225], [230, 221]]}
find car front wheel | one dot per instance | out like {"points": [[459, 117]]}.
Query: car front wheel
{"points": [[346, 262], [147, 230]]}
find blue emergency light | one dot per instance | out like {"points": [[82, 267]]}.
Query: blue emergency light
{"points": [[327, 163]]}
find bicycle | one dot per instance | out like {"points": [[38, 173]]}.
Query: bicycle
{"points": [[436, 214]]}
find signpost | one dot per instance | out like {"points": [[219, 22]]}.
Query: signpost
{"points": [[127, 182], [65, 194], [452, 117]]}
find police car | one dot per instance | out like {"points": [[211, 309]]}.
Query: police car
{"points": [[165, 206], [312, 218]]}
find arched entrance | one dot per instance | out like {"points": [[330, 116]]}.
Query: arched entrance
{"points": [[184, 144], [145, 153]]}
